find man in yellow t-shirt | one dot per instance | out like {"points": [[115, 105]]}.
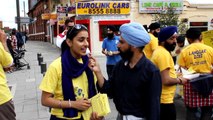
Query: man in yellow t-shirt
{"points": [[163, 60], [154, 29], [198, 57], [6, 104]]}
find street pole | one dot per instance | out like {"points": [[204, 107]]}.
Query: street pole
{"points": [[25, 25], [18, 14]]}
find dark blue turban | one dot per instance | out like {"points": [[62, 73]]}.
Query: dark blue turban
{"points": [[166, 33]]}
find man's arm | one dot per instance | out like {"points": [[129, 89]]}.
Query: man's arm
{"points": [[167, 80]]}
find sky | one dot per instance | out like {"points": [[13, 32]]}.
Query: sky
{"points": [[8, 10]]}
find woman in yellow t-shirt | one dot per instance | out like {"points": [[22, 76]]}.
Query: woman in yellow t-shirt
{"points": [[69, 82]]}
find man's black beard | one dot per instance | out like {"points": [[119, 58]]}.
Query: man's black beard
{"points": [[110, 35], [155, 34], [170, 47], [126, 55]]}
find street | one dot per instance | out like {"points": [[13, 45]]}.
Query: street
{"points": [[25, 84]]}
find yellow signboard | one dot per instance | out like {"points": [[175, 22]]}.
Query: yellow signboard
{"points": [[53, 16], [207, 37], [45, 16], [61, 20], [103, 8]]}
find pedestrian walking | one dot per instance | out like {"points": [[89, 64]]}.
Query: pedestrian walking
{"points": [[20, 41], [109, 48], [135, 85], [199, 58], [7, 110], [163, 60], [154, 29], [69, 82]]}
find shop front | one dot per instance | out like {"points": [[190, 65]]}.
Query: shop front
{"points": [[97, 15]]}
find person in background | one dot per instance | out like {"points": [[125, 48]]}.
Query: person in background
{"points": [[20, 41], [68, 24], [178, 48], [154, 29], [109, 48], [198, 57], [135, 85], [69, 82], [7, 110], [162, 58], [24, 37]]}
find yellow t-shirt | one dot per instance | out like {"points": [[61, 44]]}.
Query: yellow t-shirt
{"points": [[198, 57], [52, 83], [6, 60], [163, 60], [151, 46]]}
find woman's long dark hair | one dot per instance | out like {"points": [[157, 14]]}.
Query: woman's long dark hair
{"points": [[71, 33]]}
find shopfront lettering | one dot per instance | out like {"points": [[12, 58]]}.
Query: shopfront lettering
{"points": [[161, 4], [93, 5], [104, 11], [120, 5], [102, 8]]}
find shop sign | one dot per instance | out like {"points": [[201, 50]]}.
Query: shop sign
{"points": [[53, 16], [61, 19], [71, 9], [207, 37], [47, 16], [156, 6], [61, 9], [103, 8]]}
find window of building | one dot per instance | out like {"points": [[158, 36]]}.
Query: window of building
{"points": [[103, 27], [203, 26]]}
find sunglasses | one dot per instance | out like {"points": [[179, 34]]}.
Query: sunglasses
{"points": [[69, 27], [77, 27]]}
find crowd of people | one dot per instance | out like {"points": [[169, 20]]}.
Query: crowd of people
{"points": [[142, 78]]}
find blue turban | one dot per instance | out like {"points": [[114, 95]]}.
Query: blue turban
{"points": [[166, 33], [134, 34]]}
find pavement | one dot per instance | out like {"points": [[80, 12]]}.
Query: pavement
{"points": [[24, 84]]}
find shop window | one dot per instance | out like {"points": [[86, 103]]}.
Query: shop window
{"points": [[103, 27]]}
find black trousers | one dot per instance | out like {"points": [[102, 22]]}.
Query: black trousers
{"points": [[167, 112], [109, 70]]}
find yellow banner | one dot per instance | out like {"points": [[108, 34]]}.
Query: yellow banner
{"points": [[207, 37], [103, 8]]}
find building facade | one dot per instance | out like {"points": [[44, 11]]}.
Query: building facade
{"points": [[97, 14]]}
